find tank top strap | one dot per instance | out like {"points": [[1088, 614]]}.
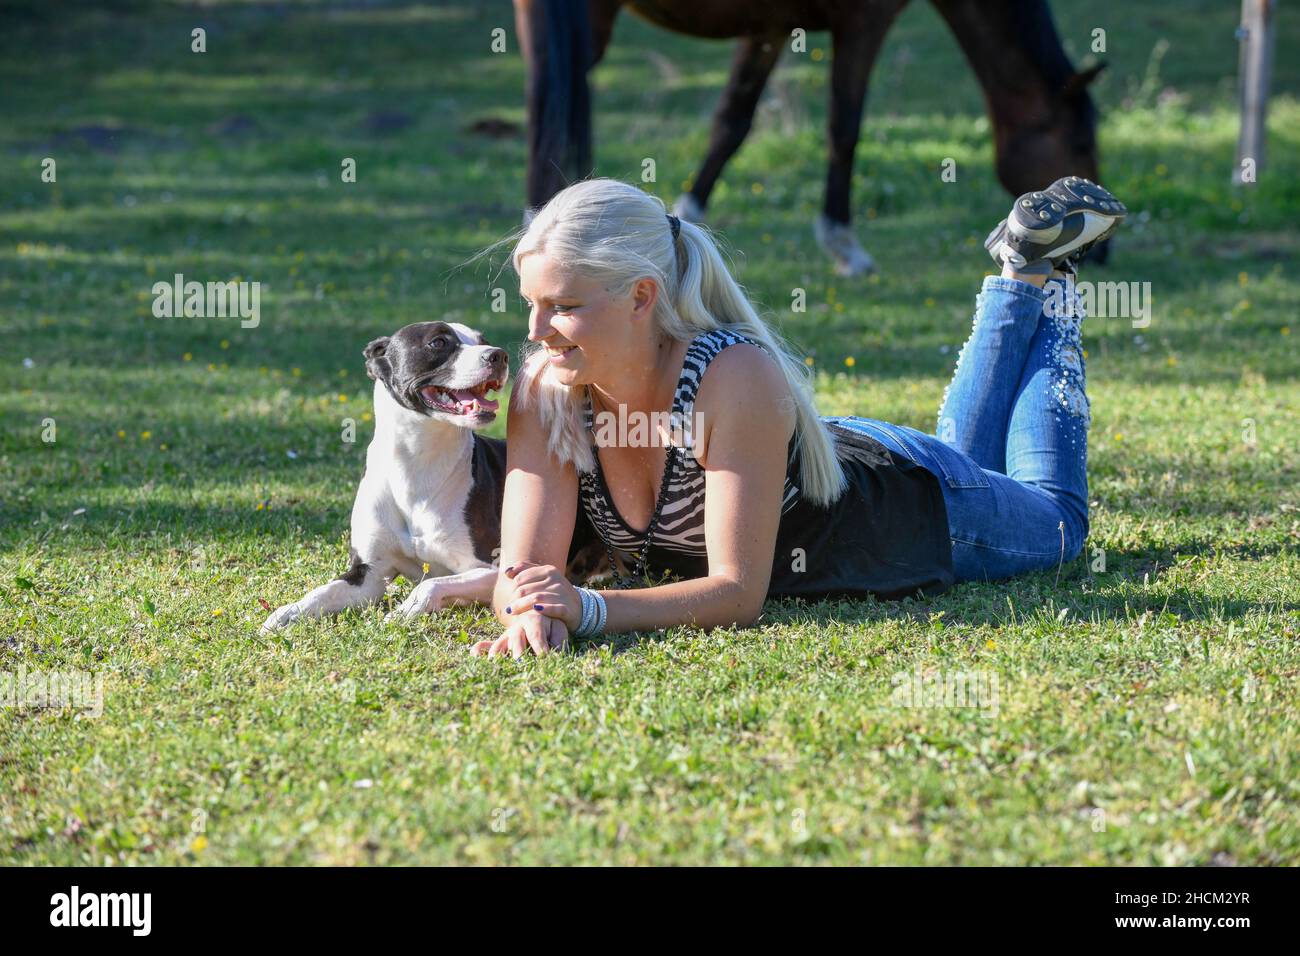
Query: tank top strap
{"points": [[703, 349]]}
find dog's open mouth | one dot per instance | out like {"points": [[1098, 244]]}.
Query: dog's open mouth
{"points": [[462, 401]]}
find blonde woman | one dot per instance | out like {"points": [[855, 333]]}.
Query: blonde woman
{"points": [[736, 486]]}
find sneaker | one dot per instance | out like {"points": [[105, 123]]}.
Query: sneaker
{"points": [[1055, 225]]}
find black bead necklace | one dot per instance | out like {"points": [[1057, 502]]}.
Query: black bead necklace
{"points": [[638, 570]]}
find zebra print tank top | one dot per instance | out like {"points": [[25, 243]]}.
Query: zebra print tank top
{"points": [[681, 523]]}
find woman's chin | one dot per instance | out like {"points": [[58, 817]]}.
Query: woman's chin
{"points": [[567, 377]]}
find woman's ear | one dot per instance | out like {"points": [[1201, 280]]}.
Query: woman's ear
{"points": [[377, 366], [644, 294]]}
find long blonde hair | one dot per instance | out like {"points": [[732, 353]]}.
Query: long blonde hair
{"points": [[616, 233]]}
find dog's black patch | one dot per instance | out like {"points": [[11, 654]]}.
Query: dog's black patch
{"points": [[587, 555], [355, 575], [486, 495]]}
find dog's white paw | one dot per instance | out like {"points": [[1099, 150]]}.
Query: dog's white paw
{"points": [[425, 598], [281, 618]]}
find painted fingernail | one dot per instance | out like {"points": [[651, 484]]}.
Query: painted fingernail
{"points": [[507, 608], [509, 569], [537, 607]]}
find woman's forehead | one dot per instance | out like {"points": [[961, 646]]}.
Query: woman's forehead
{"points": [[540, 276]]}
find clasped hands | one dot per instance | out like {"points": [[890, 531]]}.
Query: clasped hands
{"points": [[544, 609]]}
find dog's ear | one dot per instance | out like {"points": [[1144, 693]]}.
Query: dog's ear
{"points": [[377, 366]]}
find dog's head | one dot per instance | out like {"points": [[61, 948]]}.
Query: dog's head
{"points": [[440, 369]]}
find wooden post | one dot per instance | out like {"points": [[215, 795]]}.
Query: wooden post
{"points": [[1256, 36]]}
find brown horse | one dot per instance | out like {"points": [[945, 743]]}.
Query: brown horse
{"points": [[1044, 123]]}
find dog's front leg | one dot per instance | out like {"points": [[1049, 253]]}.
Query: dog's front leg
{"points": [[434, 594], [363, 583]]}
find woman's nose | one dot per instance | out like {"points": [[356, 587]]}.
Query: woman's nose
{"points": [[539, 326]]}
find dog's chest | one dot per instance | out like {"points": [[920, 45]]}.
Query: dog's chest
{"points": [[436, 530], [419, 506]]}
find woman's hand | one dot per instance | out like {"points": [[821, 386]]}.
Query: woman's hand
{"points": [[543, 634], [543, 588], [543, 608]]}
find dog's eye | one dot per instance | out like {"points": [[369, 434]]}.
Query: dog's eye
{"points": [[441, 342]]}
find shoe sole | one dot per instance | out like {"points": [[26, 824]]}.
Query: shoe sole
{"points": [[1044, 216]]}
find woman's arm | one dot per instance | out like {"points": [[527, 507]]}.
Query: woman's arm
{"points": [[540, 506]]}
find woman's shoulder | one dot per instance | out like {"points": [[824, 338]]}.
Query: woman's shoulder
{"points": [[744, 382], [742, 361], [722, 349]]}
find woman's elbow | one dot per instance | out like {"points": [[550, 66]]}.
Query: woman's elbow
{"points": [[751, 616], [742, 610]]}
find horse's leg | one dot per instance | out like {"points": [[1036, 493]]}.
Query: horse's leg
{"points": [[856, 44], [561, 40], [750, 68]]}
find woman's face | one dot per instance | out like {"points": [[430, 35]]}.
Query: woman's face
{"points": [[590, 335]]}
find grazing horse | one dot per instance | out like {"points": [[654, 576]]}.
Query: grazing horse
{"points": [[1044, 123]]}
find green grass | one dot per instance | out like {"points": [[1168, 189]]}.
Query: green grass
{"points": [[1146, 714]]}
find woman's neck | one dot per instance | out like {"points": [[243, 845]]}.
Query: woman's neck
{"points": [[639, 392]]}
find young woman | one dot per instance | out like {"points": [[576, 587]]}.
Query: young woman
{"points": [[736, 485]]}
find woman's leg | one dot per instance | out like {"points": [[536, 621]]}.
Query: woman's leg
{"points": [[998, 526], [1045, 229], [978, 401], [1011, 454], [1047, 435]]}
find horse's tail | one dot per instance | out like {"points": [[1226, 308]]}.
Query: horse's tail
{"points": [[559, 46]]}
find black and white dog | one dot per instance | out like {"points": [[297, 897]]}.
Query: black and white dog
{"points": [[432, 490]]}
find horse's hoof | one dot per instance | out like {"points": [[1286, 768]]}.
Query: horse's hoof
{"points": [[688, 208], [862, 265], [841, 244]]}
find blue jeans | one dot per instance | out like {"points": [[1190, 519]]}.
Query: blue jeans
{"points": [[1011, 450]]}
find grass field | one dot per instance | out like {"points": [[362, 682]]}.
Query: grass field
{"points": [[1146, 713]]}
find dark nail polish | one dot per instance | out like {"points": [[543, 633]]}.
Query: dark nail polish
{"points": [[537, 607], [507, 608]]}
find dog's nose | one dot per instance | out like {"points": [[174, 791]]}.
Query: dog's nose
{"points": [[496, 359]]}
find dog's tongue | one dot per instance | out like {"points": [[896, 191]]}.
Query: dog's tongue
{"points": [[466, 397]]}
